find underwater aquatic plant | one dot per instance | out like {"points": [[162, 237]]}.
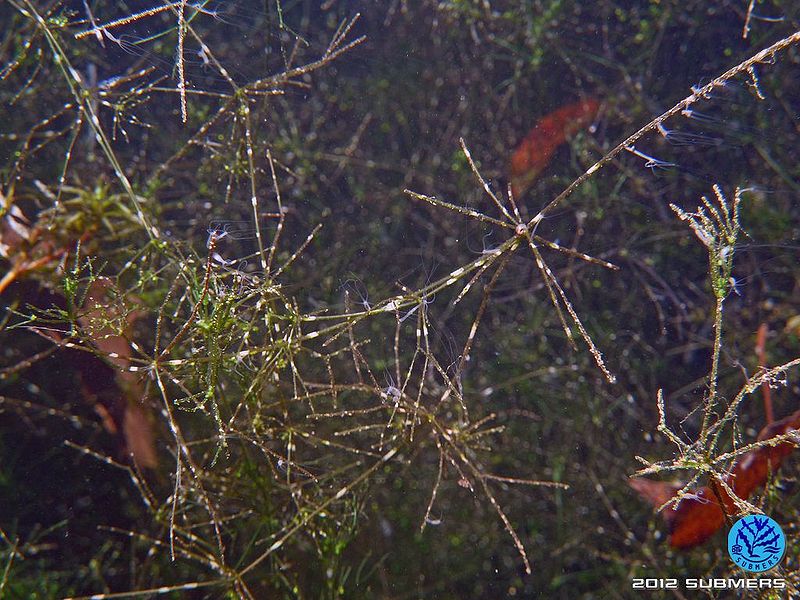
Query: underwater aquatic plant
{"points": [[693, 516], [320, 441]]}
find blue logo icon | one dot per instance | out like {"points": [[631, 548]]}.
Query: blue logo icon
{"points": [[756, 543]]}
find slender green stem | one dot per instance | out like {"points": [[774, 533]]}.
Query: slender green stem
{"points": [[711, 398]]}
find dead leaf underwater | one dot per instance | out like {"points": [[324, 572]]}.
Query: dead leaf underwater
{"points": [[536, 150]]}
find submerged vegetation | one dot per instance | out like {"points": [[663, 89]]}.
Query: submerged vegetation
{"points": [[277, 323]]}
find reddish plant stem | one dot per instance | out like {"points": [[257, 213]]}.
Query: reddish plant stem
{"points": [[761, 339]]}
